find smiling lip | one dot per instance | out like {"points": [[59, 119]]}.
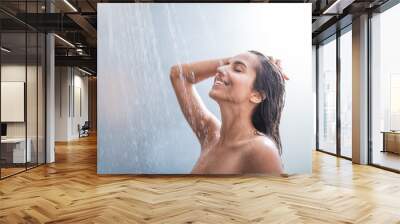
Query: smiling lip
{"points": [[219, 82]]}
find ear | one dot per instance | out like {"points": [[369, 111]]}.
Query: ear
{"points": [[257, 97]]}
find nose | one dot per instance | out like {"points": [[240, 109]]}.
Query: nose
{"points": [[222, 70]]}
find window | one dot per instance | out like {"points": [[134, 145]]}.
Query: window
{"points": [[385, 89], [346, 93], [327, 96], [22, 88]]}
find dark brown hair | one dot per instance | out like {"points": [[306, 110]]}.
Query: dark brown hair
{"points": [[271, 84]]}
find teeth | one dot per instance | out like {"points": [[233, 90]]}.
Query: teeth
{"points": [[218, 82]]}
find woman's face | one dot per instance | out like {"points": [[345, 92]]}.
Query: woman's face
{"points": [[234, 81]]}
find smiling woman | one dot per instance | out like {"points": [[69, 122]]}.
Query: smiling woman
{"points": [[241, 111], [249, 89]]}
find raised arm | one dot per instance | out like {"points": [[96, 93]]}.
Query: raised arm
{"points": [[183, 77]]}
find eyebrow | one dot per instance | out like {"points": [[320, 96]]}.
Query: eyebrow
{"points": [[240, 63]]}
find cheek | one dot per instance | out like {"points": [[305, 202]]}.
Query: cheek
{"points": [[242, 87]]}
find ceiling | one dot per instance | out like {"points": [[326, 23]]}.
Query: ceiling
{"points": [[76, 21]]}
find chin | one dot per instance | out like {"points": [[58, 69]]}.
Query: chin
{"points": [[217, 95], [213, 94]]}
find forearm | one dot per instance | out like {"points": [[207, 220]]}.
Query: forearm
{"points": [[197, 71]]}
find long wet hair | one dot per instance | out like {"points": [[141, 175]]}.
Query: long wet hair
{"points": [[271, 84]]}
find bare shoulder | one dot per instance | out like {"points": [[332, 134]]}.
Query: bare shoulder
{"points": [[262, 156], [261, 146]]}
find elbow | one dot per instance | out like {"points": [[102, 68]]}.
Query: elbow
{"points": [[178, 72], [174, 72]]}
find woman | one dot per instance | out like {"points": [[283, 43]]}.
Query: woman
{"points": [[249, 89]]}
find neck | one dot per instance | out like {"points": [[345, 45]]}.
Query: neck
{"points": [[236, 123]]}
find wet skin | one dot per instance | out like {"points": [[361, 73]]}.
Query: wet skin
{"points": [[240, 157], [230, 146]]}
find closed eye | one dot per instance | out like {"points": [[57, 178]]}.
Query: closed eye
{"points": [[239, 66]]}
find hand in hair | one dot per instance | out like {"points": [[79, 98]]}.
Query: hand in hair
{"points": [[278, 64]]}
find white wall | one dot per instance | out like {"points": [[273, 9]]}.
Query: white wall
{"points": [[13, 100], [62, 81], [79, 117], [15, 72], [69, 82]]}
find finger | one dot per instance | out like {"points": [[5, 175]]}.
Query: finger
{"points": [[278, 62], [285, 77], [271, 59]]}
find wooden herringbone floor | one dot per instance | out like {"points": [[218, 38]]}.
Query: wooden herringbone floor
{"points": [[70, 191]]}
